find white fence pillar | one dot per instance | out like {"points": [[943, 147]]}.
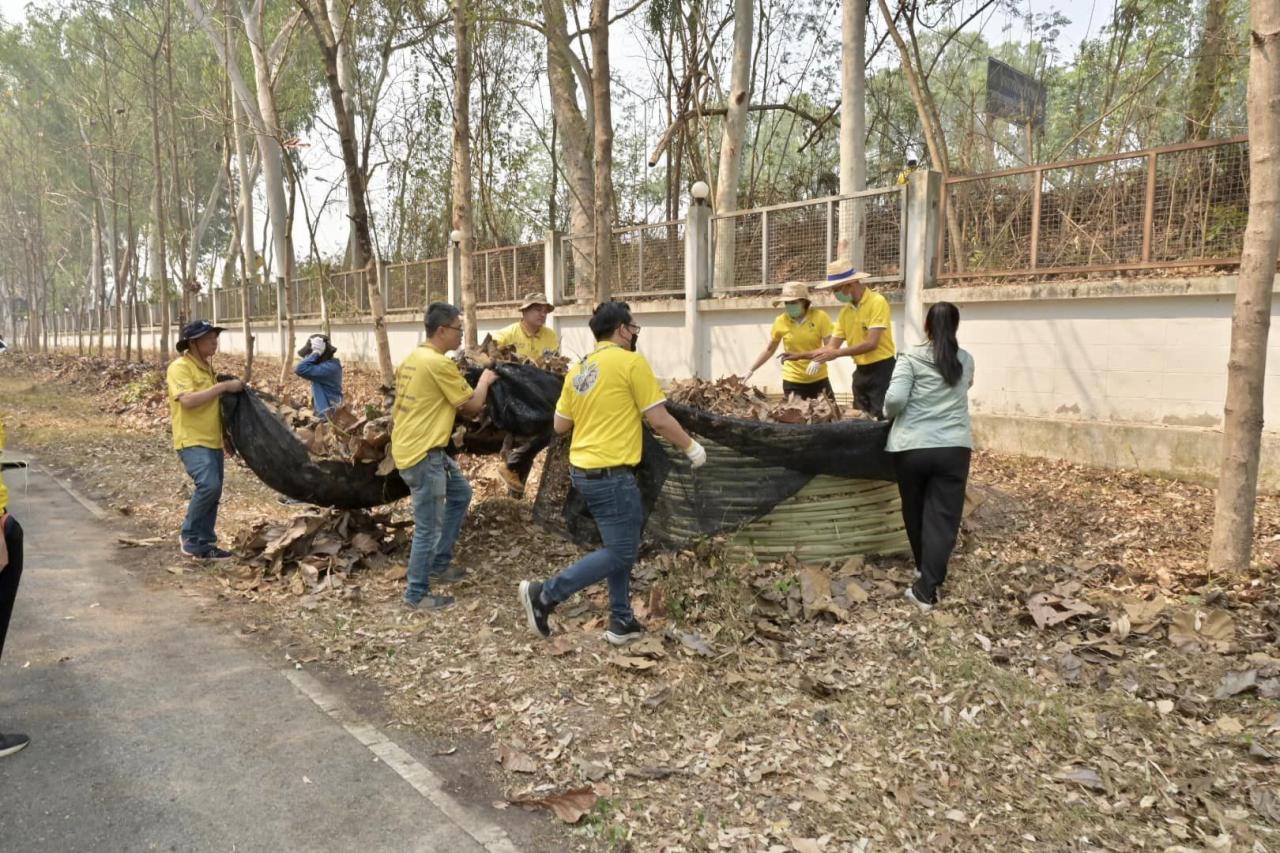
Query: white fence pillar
{"points": [[924, 190], [453, 269], [553, 275], [697, 282]]}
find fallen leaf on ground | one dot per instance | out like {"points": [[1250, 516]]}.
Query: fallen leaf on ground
{"points": [[516, 761], [629, 662], [1084, 776], [1234, 683], [1202, 626], [569, 805], [1049, 609]]}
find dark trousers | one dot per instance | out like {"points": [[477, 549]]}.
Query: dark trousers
{"points": [[809, 390], [521, 450], [870, 382], [931, 482], [10, 575]]}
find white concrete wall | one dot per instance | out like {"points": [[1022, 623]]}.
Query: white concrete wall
{"points": [[1130, 357]]}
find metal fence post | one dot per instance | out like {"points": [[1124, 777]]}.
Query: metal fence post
{"points": [[1149, 208], [764, 248]]}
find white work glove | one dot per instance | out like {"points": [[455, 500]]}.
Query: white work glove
{"points": [[813, 368], [317, 345], [745, 375], [697, 454]]}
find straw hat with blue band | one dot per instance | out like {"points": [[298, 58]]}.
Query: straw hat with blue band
{"points": [[841, 271]]}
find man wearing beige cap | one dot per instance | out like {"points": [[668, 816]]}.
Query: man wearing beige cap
{"points": [[864, 330], [532, 339]]}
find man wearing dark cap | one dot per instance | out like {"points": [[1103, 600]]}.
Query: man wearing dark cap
{"points": [[533, 339], [194, 391], [605, 398], [319, 366]]}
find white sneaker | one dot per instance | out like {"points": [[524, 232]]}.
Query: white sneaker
{"points": [[910, 595]]}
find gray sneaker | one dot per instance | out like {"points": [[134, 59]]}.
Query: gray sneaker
{"points": [[9, 744], [453, 574], [428, 602]]}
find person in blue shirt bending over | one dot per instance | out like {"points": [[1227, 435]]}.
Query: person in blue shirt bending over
{"points": [[324, 372]]}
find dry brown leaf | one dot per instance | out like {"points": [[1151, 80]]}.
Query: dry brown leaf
{"points": [[1197, 627], [631, 663], [569, 805], [1080, 775], [515, 760], [1049, 609], [1234, 683], [1265, 802]]}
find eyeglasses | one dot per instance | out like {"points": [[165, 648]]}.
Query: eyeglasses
{"points": [[455, 328], [635, 327]]}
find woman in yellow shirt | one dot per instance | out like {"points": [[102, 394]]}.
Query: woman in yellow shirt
{"points": [[800, 328]]}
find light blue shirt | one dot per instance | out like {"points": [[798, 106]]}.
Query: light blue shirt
{"points": [[926, 411]]}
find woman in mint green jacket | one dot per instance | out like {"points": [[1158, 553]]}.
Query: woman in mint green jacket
{"points": [[931, 441]]}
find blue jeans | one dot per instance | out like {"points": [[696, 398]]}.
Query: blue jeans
{"points": [[618, 511], [204, 467], [440, 496]]}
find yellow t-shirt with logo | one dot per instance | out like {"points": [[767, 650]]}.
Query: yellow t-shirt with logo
{"points": [[605, 396], [531, 347], [201, 426], [855, 321], [803, 335], [429, 389], [4, 493]]}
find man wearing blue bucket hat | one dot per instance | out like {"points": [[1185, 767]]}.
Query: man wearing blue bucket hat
{"points": [[194, 392]]}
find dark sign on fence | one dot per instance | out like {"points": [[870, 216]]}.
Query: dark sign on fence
{"points": [[1013, 95]]}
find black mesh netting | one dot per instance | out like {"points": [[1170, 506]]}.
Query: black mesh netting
{"points": [[272, 451], [752, 466]]}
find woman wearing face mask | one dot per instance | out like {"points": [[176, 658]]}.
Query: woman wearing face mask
{"points": [[800, 328]]}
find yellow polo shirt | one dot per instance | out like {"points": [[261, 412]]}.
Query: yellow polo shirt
{"points": [[605, 395], [429, 389], [530, 347], [803, 335], [201, 426], [855, 321], [4, 493]]}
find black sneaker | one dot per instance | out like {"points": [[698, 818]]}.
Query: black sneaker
{"points": [[453, 574], [429, 602], [622, 632], [213, 552], [536, 613], [9, 744]]}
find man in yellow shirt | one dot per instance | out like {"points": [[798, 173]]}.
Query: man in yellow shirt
{"points": [[10, 575], [430, 391], [864, 330], [532, 339], [196, 413], [604, 399]]}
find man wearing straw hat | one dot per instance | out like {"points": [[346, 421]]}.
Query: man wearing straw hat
{"points": [[800, 328], [864, 331], [533, 339]]}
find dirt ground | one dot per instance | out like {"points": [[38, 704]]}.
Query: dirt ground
{"points": [[1086, 685]]}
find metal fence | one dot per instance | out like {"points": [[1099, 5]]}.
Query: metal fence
{"points": [[758, 250], [502, 275], [1180, 205], [647, 260]]}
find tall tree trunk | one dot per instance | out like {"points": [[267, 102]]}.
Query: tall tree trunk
{"points": [[930, 124], [576, 142], [158, 273], [1206, 90], [1250, 321], [731, 138], [602, 224], [99, 277], [853, 129], [461, 218]]}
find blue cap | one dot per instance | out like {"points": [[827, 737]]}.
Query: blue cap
{"points": [[195, 329]]}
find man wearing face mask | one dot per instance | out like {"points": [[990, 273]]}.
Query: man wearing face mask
{"points": [[605, 398], [801, 328], [864, 330]]}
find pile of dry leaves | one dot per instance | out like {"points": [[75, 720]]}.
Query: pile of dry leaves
{"points": [[316, 552], [490, 353], [732, 397], [342, 435]]}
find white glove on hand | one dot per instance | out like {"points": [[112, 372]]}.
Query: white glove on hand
{"points": [[697, 454], [745, 375], [317, 345], [813, 368]]}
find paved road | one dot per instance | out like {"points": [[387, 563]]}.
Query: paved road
{"points": [[154, 730]]}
